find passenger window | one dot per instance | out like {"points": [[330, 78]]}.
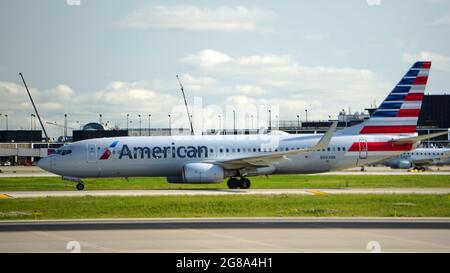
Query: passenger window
{"points": [[339, 149], [343, 149]]}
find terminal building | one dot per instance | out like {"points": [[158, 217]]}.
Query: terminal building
{"points": [[25, 146]]}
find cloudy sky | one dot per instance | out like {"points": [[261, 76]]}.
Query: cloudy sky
{"points": [[117, 57]]}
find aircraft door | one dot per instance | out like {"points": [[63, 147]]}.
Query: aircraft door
{"points": [[363, 149], [91, 153]]}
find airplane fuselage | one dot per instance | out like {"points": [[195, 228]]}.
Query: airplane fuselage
{"points": [[166, 155]]}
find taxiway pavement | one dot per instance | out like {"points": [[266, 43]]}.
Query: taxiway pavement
{"points": [[229, 235]]}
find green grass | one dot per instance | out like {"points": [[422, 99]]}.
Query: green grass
{"points": [[225, 206], [276, 181]]}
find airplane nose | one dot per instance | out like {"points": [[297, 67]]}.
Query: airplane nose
{"points": [[44, 163]]}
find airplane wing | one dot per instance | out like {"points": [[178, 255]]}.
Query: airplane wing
{"points": [[417, 138], [273, 157]]}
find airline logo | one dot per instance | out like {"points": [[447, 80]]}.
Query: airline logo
{"points": [[400, 111], [107, 153]]}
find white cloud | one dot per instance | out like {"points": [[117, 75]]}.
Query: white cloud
{"points": [[114, 102], [244, 83], [282, 80], [195, 83], [249, 89], [206, 58], [194, 18], [439, 61], [373, 2]]}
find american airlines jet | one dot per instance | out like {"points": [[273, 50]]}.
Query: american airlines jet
{"points": [[418, 159], [390, 131]]}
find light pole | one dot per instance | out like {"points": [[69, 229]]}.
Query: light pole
{"points": [[234, 121], [140, 124], [298, 121], [128, 116], [251, 116], [65, 127], [100, 119], [306, 115], [149, 116], [31, 120], [170, 124], [6, 116], [270, 120]]}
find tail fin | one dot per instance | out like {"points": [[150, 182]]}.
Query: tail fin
{"points": [[399, 112]]}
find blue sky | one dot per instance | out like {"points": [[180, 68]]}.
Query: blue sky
{"points": [[117, 57]]}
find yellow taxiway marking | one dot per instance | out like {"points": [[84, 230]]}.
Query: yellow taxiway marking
{"points": [[317, 192], [4, 196]]}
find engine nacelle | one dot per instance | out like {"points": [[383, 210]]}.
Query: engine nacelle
{"points": [[199, 173], [404, 164]]}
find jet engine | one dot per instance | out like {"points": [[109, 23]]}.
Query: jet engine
{"points": [[199, 173], [404, 164]]}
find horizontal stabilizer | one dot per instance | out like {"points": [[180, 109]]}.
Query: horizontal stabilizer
{"points": [[417, 138]]}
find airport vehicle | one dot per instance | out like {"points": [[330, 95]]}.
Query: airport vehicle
{"points": [[390, 131], [418, 159], [6, 163]]}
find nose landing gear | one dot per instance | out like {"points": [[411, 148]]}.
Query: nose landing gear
{"points": [[242, 183], [80, 185]]}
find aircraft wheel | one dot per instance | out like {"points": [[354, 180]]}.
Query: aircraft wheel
{"points": [[244, 183], [233, 183], [80, 186]]}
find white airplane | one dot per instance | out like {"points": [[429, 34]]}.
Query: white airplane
{"points": [[390, 131], [418, 158]]}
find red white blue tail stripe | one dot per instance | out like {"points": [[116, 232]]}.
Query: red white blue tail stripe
{"points": [[399, 112]]}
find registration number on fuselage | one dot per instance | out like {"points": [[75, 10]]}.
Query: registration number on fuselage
{"points": [[327, 157]]}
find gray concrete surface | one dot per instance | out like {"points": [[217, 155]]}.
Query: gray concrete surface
{"points": [[191, 192], [229, 235]]}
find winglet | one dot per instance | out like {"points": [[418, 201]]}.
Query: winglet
{"points": [[417, 138], [325, 140]]}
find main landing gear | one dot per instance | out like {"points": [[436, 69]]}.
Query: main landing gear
{"points": [[242, 183], [80, 186], [417, 169]]}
